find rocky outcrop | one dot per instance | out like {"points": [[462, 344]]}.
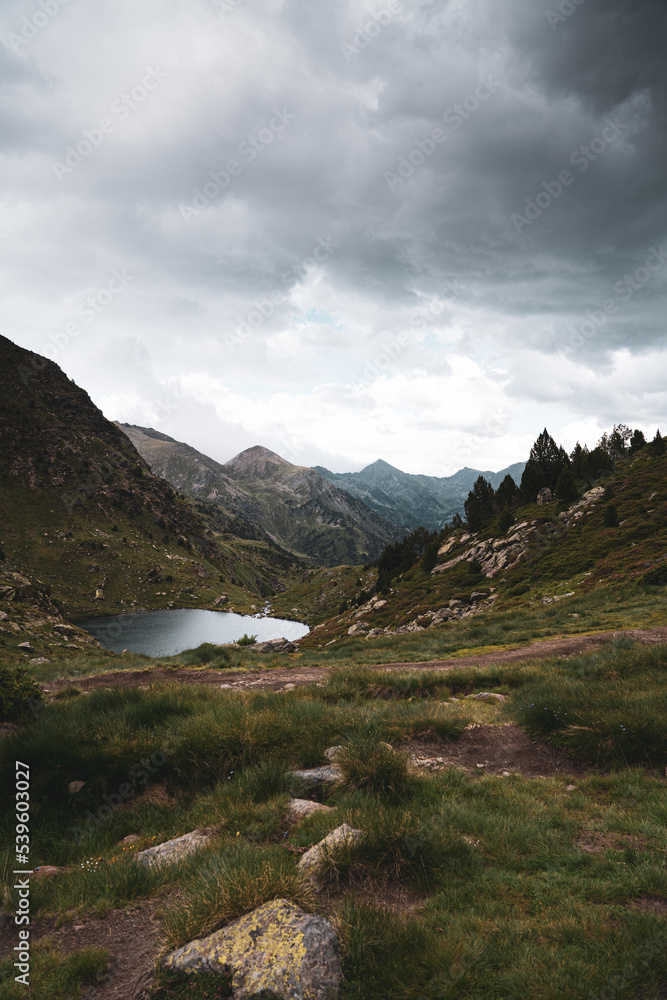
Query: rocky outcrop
{"points": [[277, 950], [498, 555]]}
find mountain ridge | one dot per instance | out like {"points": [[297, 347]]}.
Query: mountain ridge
{"points": [[300, 509], [409, 500]]}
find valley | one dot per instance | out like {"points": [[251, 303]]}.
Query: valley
{"points": [[459, 766]]}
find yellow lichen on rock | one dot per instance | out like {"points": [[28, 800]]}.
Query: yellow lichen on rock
{"points": [[276, 949]]}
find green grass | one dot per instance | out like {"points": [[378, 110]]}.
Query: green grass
{"points": [[609, 707], [228, 885], [464, 885], [54, 976]]}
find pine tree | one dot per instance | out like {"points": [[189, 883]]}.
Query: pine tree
{"points": [[637, 442], [543, 468], [566, 488], [479, 504], [506, 492], [658, 444]]}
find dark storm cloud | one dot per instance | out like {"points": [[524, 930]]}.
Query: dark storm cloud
{"points": [[511, 151]]}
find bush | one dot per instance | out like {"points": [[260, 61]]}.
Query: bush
{"points": [[610, 516], [246, 640], [18, 693]]}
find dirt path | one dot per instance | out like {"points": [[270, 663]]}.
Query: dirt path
{"points": [[277, 678], [131, 936]]}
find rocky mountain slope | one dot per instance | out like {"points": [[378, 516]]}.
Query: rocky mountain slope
{"points": [[84, 522], [570, 559], [300, 509], [409, 501]]}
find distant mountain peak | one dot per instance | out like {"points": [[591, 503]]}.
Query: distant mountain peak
{"points": [[256, 461]]}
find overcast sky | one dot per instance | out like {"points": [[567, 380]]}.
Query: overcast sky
{"points": [[417, 231]]}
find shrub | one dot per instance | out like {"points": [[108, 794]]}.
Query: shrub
{"points": [[610, 516], [18, 693], [246, 640]]}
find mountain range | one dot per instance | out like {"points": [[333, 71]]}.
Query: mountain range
{"points": [[297, 507], [86, 527], [409, 501]]}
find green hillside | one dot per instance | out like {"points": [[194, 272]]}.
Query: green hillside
{"points": [[85, 522]]}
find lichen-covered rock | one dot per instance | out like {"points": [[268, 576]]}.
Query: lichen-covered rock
{"points": [[277, 950], [300, 808], [313, 862], [315, 776], [174, 850]]}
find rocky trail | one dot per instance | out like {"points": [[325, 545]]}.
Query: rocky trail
{"points": [[285, 678]]}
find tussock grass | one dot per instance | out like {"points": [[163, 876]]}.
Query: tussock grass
{"points": [[232, 883], [609, 707], [402, 844], [371, 765], [54, 976]]}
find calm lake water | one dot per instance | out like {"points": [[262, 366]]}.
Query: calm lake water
{"points": [[164, 633]]}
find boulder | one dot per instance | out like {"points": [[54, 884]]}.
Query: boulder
{"points": [[174, 850], [275, 646], [40, 659], [544, 496], [313, 862], [300, 808], [357, 629], [277, 950]]}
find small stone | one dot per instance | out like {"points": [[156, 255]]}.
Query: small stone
{"points": [[489, 696], [507, 774], [26, 646], [480, 765], [289, 687], [75, 787], [570, 788], [331, 753], [132, 838], [314, 776], [300, 808], [313, 861], [48, 871], [40, 659], [174, 850]]}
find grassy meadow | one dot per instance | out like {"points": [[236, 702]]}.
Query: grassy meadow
{"points": [[466, 884]]}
